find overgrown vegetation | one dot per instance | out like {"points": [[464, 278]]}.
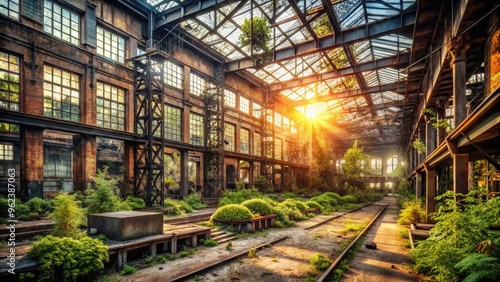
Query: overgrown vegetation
{"points": [[232, 212], [67, 216], [68, 259], [464, 244], [320, 262], [412, 212], [256, 34], [258, 207]]}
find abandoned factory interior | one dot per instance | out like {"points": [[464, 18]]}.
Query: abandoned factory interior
{"points": [[135, 120]]}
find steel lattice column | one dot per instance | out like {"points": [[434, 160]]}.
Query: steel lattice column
{"points": [[214, 134], [149, 119], [268, 139]]}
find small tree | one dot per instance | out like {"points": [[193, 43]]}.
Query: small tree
{"points": [[256, 33], [68, 216], [105, 197], [356, 163]]}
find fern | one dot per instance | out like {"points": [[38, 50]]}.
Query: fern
{"points": [[479, 267]]}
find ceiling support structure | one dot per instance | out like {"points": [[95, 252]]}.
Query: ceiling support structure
{"points": [[149, 125]]}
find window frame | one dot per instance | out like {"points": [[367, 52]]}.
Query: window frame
{"points": [[111, 101], [54, 85], [9, 71], [50, 28], [114, 52]]}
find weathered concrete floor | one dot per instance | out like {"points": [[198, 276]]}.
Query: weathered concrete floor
{"points": [[386, 263]]}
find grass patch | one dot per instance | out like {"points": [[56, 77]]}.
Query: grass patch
{"points": [[404, 234], [209, 242], [128, 269], [316, 236], [229, 246], [353, 227], [252, 252], [344, 266], [320, 262]]}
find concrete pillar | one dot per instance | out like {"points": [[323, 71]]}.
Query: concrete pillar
{"points": [[418, 185], [84, 161], [31, 162], [460, 173], [430, 138], [458, 49], [431, 187], [184, 154]]}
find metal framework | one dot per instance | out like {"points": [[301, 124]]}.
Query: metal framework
{"points": [[268, 139], [332, 57], [214, 134], [149, 120]]}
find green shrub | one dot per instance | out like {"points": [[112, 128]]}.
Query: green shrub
{"points": [[67, 215], [320, 262], [289, 195], [229, 246], [135, 203], [463, 228], [290, 210], [325, 201], [185, 206], [282, 218], [128, 269], [194, 200], [314, 205], [209, 242], [104, 198], [252, 252], [333, 195], [232, 212], [296, 204], [479, 267], [230, 197], [67, 258], [350, 199], [258, 206], [40, 206], [171, 207], [412, 212]]}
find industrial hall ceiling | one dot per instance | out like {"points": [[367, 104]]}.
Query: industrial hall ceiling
{"points": [[356, 64]]}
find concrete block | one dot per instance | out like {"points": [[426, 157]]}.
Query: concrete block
{"points": [[126, 225]]}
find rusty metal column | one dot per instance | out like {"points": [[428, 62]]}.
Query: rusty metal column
{"points": [[184, 154], [458, 48], [461, 173], [430, 137], [431, 187], [418, 185]]}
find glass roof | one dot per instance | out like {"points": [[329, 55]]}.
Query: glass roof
{"points": [[340, 69]]}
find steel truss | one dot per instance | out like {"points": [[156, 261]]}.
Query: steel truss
{"points": [[149, 125], [268, 139], [214, 134]]}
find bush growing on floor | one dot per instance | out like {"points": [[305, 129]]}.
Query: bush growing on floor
{"points": [[40, 206], [314, 205], [104, 198], [67, 216], [325, 201], [258, 207], [232, 212], [135, 203], [230, 197], [412, 212], [462, 243], [320, 262], [174, 207], [335, 196], [68, 259], [194, 200], [295, 204], [349, 199]]}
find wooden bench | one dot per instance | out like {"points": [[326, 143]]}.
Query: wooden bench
{"points": [[419, 231], [249, 225]]}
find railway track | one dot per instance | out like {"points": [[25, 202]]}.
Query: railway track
{"points": [[280, 248]]}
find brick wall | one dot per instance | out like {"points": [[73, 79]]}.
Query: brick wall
{"points": [[492, 54]]}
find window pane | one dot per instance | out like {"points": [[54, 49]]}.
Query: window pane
{"points": [[61, 23], [110, 45]]}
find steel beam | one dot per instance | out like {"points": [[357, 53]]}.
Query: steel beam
{"points": [[394, 61], [61, 125], [395, 87], [194, 8], [390, 25]]}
